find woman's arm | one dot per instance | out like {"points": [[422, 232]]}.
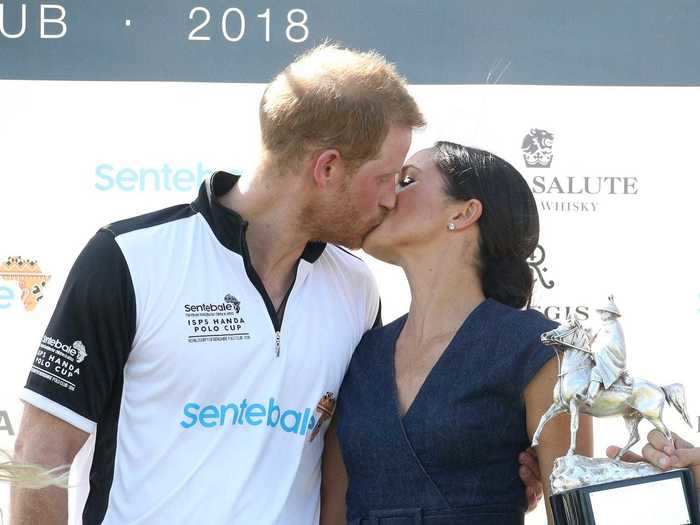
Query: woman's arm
{"points": [[555, 438], [334, 481]]}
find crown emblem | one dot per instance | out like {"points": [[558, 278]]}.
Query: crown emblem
{"points": [[324, 412]]}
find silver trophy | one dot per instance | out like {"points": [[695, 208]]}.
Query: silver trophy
{"points": [[593, 380]]}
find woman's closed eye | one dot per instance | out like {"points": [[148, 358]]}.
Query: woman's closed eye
{"points": [[404, 182]]}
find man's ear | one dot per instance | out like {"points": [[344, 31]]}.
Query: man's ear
{"points": [[326, 167], [470, 213]]}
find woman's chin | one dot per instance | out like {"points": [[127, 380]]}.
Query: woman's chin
{"points": [[378, 244]]}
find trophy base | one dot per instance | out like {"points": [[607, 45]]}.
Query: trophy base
{"points": [[668, 498], [572, 472]]}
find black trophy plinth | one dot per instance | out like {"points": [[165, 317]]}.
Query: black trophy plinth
{"points": [[668, 498]]}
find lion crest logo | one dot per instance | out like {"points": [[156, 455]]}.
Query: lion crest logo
{"points": [[234, 301], [82, 351], [537, 148]]}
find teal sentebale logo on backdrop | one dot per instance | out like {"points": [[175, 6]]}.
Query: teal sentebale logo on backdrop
{"points": [[112, 177]]}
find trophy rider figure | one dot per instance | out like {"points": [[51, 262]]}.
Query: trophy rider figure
{"points": [[608, 345]]}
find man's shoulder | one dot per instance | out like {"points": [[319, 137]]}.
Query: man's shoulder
{"points": [[150, 220], [344, 254], [348, 263]]}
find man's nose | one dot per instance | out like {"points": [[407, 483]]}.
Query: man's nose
{"points": [[387, 199]]}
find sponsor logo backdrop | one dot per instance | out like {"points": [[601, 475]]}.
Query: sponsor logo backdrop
{"points": [[613, 169]]}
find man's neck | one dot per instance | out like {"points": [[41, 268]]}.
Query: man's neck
{"points": [[274, 238]]}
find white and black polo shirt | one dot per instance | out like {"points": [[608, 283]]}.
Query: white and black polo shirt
{"points": [[165, 343]]}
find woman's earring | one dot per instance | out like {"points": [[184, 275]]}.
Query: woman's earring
{"points": [[451, 226]]}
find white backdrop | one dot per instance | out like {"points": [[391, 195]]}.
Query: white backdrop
{"points": [[77, 155]]}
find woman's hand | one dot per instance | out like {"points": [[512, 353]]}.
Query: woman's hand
{"points": [[532, 478]]}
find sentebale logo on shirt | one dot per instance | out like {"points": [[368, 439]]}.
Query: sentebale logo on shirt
{"points": [[254, 414]]}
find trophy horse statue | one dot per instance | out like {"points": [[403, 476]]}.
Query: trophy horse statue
{"points": [[596, 383]]}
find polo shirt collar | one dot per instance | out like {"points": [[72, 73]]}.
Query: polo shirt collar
{"points": [[226, 224]]}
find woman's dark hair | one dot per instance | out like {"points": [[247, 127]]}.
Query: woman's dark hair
{"points": [[509, 224]]}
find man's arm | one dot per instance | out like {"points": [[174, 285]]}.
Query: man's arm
{"points": [[334, 481], [666, 455], [91, 330], [49, 442]]}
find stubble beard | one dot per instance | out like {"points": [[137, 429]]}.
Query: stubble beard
{"points": [[338, 222]]}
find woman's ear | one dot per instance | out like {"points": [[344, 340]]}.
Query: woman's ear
{"points": [[470, 213], [326, 167]]}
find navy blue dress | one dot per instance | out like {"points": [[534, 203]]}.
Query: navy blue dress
{"points": [[453, 457]]}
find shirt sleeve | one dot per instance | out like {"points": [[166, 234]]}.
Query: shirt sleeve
{"points": [[81, 357], [378, 320], [537, 353], [540, 355], [371, 302]]}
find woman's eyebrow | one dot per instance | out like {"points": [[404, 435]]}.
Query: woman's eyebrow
{"points": [[407, 167]]}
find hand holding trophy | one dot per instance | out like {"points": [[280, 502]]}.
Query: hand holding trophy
{"points": [[593, 380]]}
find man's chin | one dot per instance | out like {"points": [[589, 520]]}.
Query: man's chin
{"points": [[352, 240]]}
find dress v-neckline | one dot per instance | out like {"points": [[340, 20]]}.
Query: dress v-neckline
{"points": [[448, 349]]}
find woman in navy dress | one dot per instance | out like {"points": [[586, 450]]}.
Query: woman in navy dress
{"points": [[437, 405]]}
